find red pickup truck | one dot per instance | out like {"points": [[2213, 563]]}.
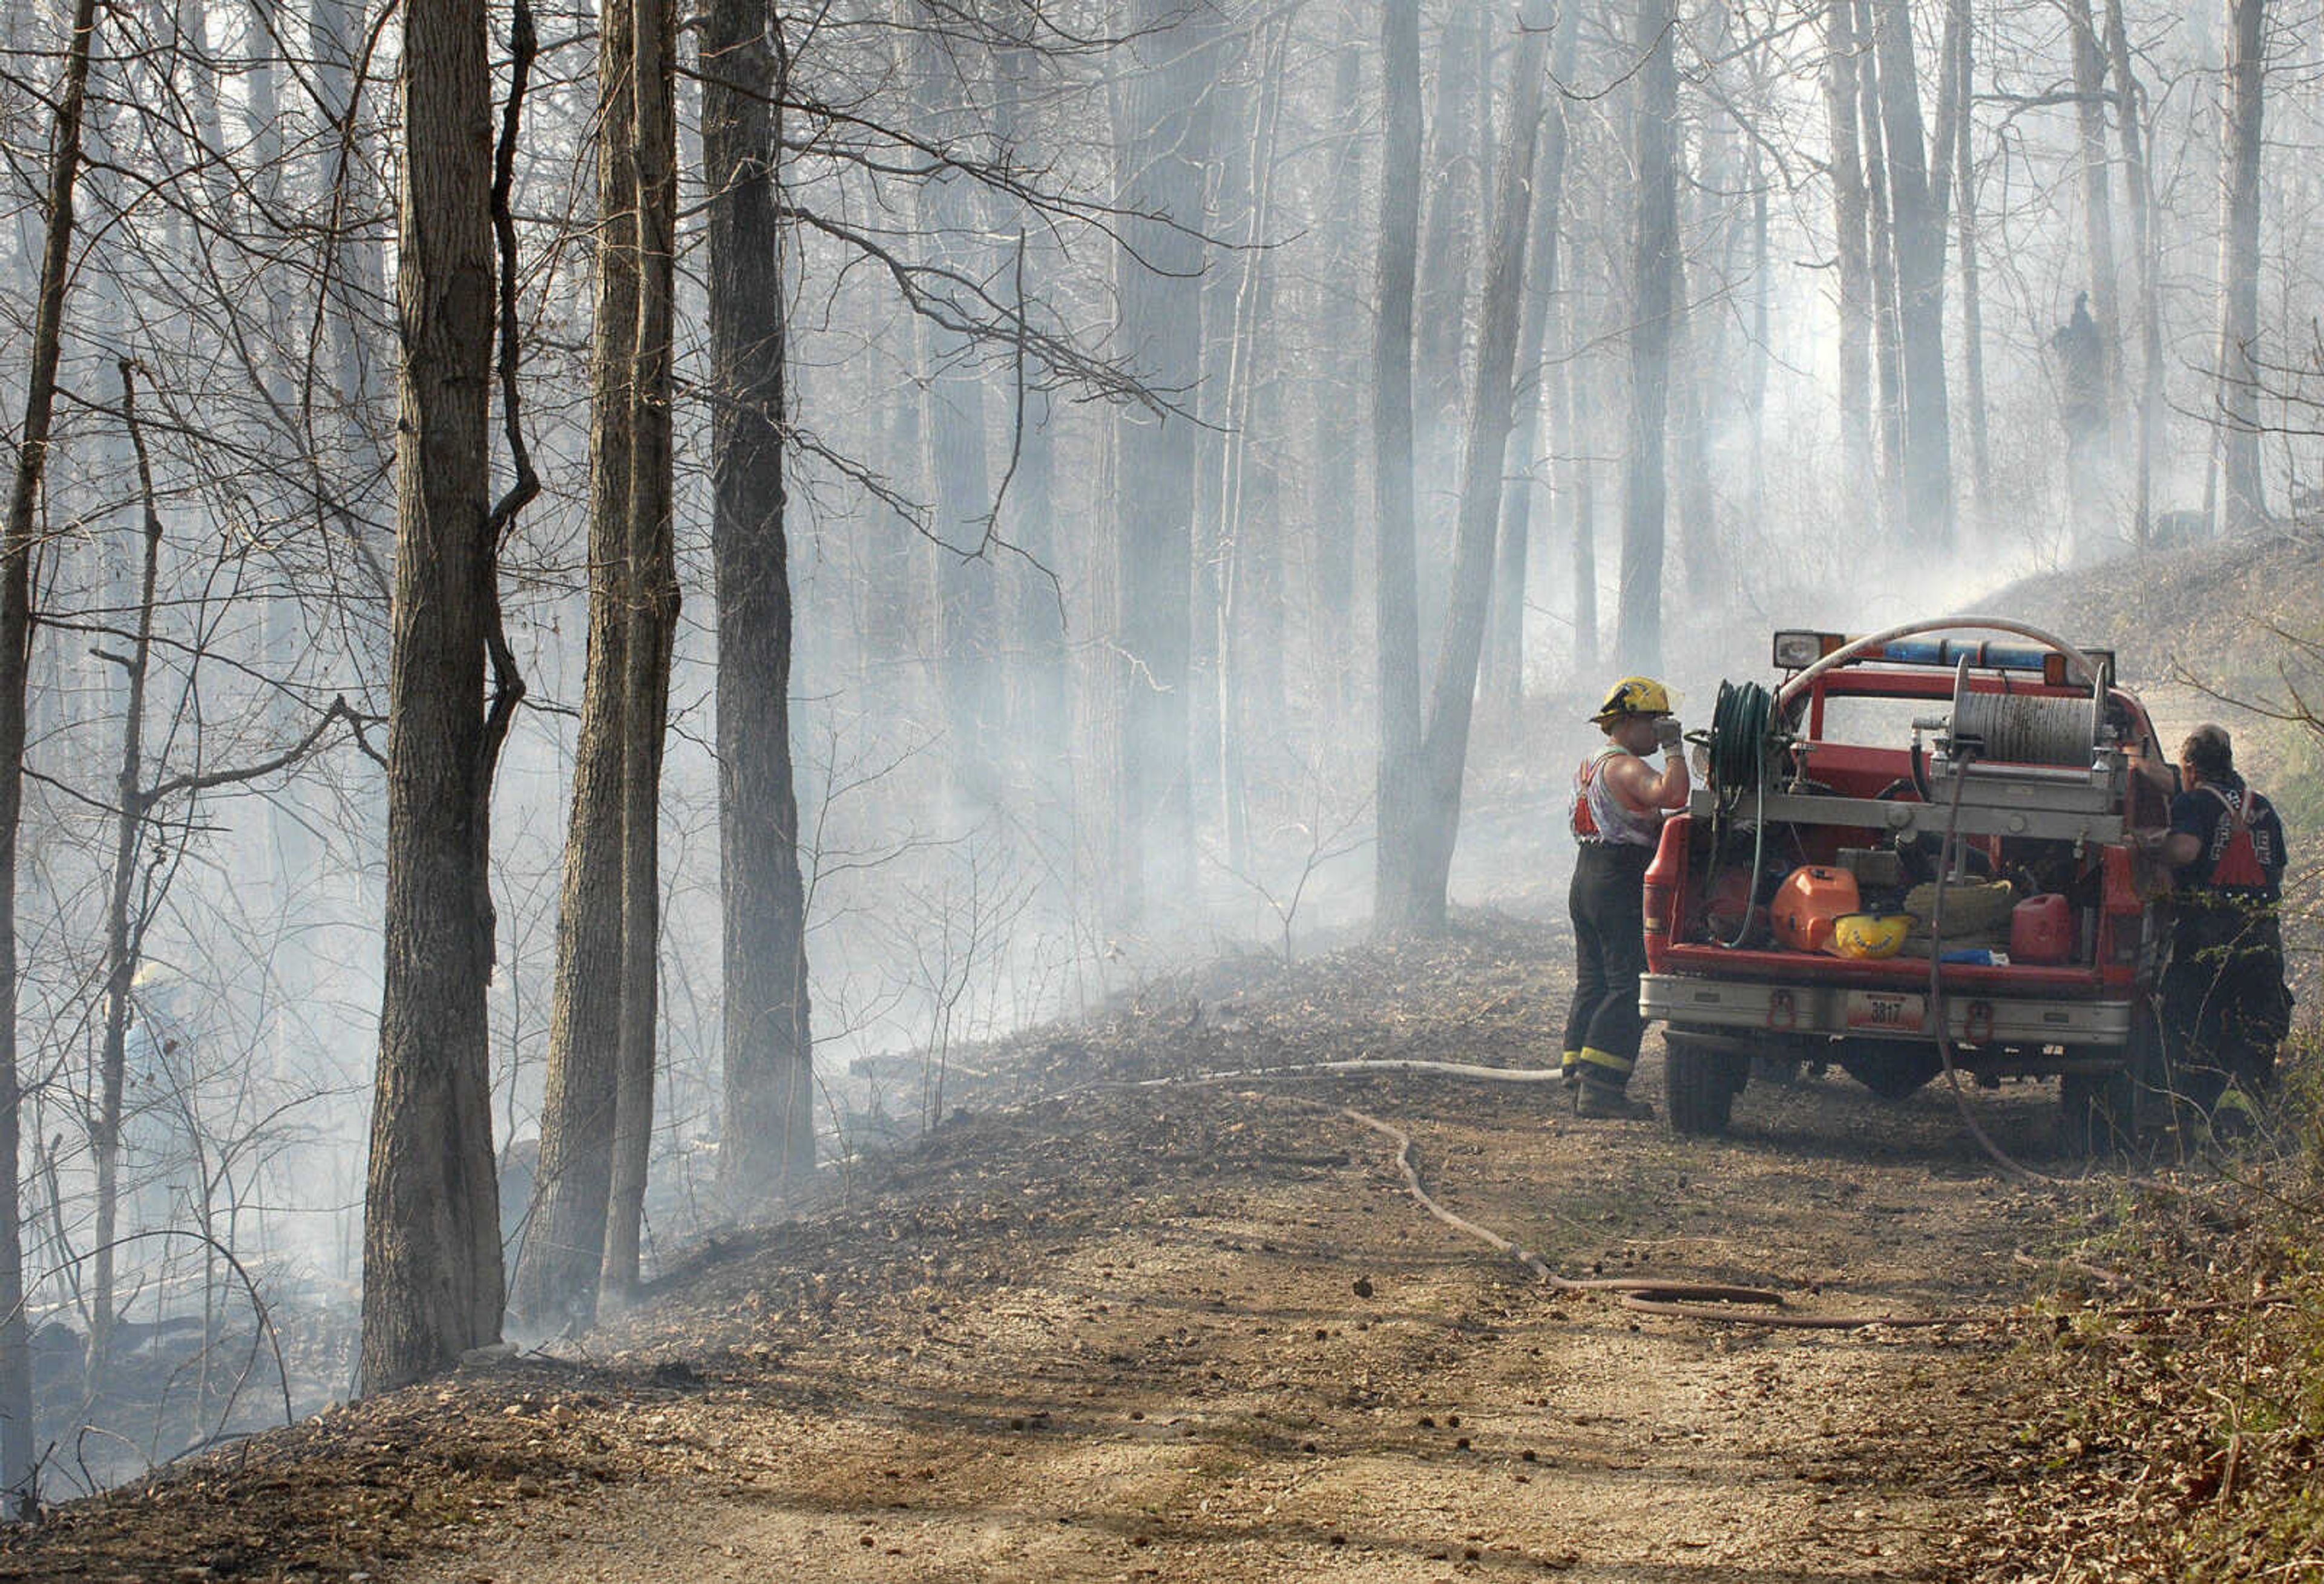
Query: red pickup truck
{"points": [[1913, 775]]}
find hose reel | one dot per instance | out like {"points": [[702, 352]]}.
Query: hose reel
{"points": [[2030, 729], [1742, 749]]}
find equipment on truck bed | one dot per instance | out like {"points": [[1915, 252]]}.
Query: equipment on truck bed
{"points": [[1968, 804]]}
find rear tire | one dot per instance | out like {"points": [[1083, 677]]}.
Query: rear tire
{"points": [[1700, 1083]]}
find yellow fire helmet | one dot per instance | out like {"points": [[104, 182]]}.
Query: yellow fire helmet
{"points": [[1634, 696], [1870, 934]]}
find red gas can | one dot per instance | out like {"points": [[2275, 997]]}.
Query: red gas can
{"points": [[2042, 930]]}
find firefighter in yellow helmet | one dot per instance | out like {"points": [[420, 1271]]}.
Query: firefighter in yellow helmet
{"points": [[1617, 813]]}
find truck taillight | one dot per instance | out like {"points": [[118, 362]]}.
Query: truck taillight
{"points": [[1658, 910]]}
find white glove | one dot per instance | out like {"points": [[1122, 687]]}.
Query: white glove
{"points": [[1669, 734]]}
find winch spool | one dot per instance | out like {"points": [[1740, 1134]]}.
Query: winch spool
{"points": [[2029, 728]]}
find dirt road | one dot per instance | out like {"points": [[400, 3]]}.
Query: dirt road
{"points": [[1204, 1333]]}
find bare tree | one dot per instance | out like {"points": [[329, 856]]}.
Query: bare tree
{"points": [[432, 1280], [2239, 488], [1654, 281], [767, 1139]]}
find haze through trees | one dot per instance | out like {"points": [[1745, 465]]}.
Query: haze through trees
{"points": [[1024, 489]]}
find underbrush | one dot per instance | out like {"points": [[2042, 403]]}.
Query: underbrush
{"points": [[2178, 1413]]}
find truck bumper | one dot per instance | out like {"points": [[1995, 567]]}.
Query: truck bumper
{"points": [[1838, 1010]]}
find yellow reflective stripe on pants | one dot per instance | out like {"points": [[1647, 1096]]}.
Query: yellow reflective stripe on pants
{"points": [[1619, 1066]]}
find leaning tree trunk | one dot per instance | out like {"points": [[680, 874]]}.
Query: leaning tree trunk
{"points": [[2242, 493], [1445, 749], [431, 1233], [1395, 591], [562, 1249], [18, 1474], [767, 1136], [1653, 264], [1505, 653]]}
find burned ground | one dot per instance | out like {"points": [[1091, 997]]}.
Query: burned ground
{"points": [[1195, 1329]]}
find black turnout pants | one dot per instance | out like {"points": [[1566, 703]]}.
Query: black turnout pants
{"points": [[2223, 1012], [1608, 903]]}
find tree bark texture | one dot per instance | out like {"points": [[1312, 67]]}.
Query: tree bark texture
{"points": [[1395, 592], [563, 1244], [1965, 210], [767, 1136], [653, 601], [431, 1235], [1654, 267], [2242, 493]]}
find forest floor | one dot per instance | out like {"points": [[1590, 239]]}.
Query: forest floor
{"points": [[1100, 1327]]}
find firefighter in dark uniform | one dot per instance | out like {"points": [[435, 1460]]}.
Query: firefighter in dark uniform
{"points": [[1617, 815], [2224, 1004]]}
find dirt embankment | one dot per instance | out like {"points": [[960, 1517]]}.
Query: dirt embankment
{"points": [[1201, 1331]]}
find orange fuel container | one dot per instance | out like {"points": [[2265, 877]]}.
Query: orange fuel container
{"points": [[2042, 930], [1810, 900]]}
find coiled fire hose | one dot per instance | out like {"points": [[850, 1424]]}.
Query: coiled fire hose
{"points": [[1740, 751]]}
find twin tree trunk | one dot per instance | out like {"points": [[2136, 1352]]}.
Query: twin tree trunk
{"points": [[1419, 852], [597, 1116], [431, 1238], [767, 1134]]}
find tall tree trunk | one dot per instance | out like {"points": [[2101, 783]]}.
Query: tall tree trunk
{"points": [[1505, 652], [954, 429], [1980, 440], [431, 1238], [767, 1141], [1918, 217], [564, 1245], [1332, 396], [2132, 126], [1654, 268], [1396, 878], [653, 627], [18, 1473], [1165, 149], [2242, 493], [2090, 68], [1851, 222], [124, 929], [1445, 749], [1888, 335]]}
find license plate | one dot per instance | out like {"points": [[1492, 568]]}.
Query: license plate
{"points": [[1882, 1012]]}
